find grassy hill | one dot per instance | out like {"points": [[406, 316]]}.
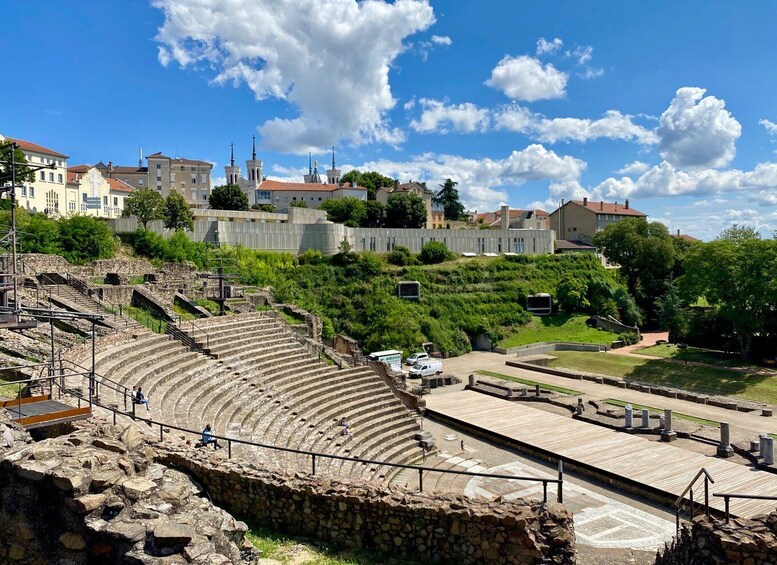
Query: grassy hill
{"points": [[558, 327]]}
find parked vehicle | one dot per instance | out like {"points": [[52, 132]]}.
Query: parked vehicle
{"points": [[391, 357], [417, 358], [426, 368]]}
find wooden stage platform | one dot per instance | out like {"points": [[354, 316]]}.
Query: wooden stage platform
{"points": [[610, 455], [40, 411]]}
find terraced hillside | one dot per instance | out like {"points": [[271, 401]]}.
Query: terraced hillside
{"points": [[256, 381]]}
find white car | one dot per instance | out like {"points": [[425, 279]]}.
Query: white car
{"points": [[417, 357]]}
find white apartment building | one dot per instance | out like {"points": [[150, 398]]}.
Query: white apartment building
{"points": [[91, 194], [47, 192]]}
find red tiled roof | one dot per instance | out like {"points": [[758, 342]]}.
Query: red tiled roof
{"points": [[29, 146], [119, 185], [73, 177], [178, 160], [271, 185], [78, 169], [608, 208], [685, 237]]}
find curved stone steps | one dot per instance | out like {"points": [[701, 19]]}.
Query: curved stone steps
{"points": [[182, 369], [291, 367], [254, 334], [327, 373], [371, 439], [254, 355], [143, 370], [405, 454], [175, 392], [218, 331], [129, 352]]}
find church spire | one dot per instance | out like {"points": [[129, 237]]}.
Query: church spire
{"points": [[310, 163], [231, 154], [333, 157], [253, 147]]}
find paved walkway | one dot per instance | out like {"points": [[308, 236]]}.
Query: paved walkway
{"points": [[629, 458], [744, 425]]}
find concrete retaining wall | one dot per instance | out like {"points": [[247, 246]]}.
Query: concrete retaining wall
{"points": [[548, 347]]}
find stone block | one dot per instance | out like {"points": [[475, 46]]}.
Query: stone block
{"points": [[168, 535], [88, 502], [72, 540], [109, 445], [130, 531], [138, 487]]}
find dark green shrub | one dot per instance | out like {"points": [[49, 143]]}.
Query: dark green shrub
{"points": [[85, 238], [434, 252]]}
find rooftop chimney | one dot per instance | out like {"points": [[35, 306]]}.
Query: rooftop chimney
{"points": [[678, 233], [505, 217], [585, 201], [601, 205], [627, 204]]}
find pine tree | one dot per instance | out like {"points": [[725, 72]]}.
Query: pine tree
{"points": [[448, 197]]}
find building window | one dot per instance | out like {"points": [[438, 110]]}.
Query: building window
{"points": [[71, 206], [277, 198], [59, 178], [194, 194], [319, 199], [24, 191], [158, 166], [83, 197], [182, 167], [105, 200], [518, 245], [194, 179], [52, 201], [286, 199], [293, 197], [203, 179], [499, 245], [372, 244], [32, 192], [204, 195], [51, 177], [194, 169], [263, 195], [115, 200], [43, 175], [140, 183], [481, 245]]}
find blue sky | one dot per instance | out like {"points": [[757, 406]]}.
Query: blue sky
{"points": [[668, 104]]}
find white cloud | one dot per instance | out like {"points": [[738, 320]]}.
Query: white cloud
{"points": [[637, 167], [482, 182], [526, 78], [409, 105], [439, 117], [279, 51], [583, 54], [771, 127], [613, 125], [591, 72], [697, 130], [442, 40], [548, 47]]}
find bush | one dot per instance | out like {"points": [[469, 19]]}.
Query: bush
{"points": [[311, 257], [434, 252], [401, 256], [85, 238], [628, 338]]}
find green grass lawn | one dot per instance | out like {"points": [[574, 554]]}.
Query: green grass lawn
{"points": [[697, 378], [694, 354], [298, 551], [291, 319], [210, 305], [146, 318], [558, 327], [184, 314], [528, 382], [640, 407], [8, 389]]}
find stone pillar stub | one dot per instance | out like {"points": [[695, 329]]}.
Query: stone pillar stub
{"points": [[724, 448], [768, 451], [472, 380], [668, 434], [629, 416], [645, 418]]}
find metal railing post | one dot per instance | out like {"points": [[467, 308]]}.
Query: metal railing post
{"points": [[544, 492], [229, 449], [726, 501], [707, 498], [314, 464], [161, 433], [421, 480], [560, 481]]}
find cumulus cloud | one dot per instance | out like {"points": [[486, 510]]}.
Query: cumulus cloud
{"points": [[439, 117], [279, 51], [545, 47], [637, 167], [442, 40], [526, 78], [771, 127], [697, 131], [484, 183]]}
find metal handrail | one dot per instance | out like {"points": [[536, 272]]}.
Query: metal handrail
{"points": [[727, 496], [94, 400], [681, 502]]}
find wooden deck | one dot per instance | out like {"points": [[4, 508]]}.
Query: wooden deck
{"points": [[40, 411], [631, 459]]}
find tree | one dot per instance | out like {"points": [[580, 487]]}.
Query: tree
{"points": [[23, 172], [298, 204], [263, 207], [176, 213], [38, 234], [348, 210], [448, 198], [737, 233], [371, 180], [85, 238], [374, 214], [405, 210], [228, 197], [671, 314], [571, 295], [736, 276], [645, 254], [146, 204]]}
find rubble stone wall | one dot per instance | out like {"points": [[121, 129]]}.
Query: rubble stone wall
{"points": [[742, 541], [437, 528]]}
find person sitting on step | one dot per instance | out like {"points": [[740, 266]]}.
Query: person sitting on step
{"points": [[207, 438], [140, 398]]}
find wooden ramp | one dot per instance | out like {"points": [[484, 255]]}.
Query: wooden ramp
{"points": [[40, 411], [629, 459]]}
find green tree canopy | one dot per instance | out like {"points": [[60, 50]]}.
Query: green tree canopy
{"points": [[645, 254], [176, 213], [228, 197], [146, 204], [405, 210], [374, 214], [37, 233], [671, 313], [371, 180], [23, 172], [348, 210], [85, 238], [737, 276], [298, 204], [737, 233], [434, 252], [448, 198]]}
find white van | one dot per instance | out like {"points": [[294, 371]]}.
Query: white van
{"points": [[426, 368]]}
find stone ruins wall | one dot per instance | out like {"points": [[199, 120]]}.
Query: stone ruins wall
{"points": [[422, 528], [742, 541], [96, 496]]}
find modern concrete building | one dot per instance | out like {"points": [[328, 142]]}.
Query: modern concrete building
{"points": [[47, 192], [304, 228], [88, 192], [581, 220]]}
